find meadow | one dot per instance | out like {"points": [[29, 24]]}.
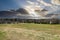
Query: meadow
{"points": [[29, 31]]}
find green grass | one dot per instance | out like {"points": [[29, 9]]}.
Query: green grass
{"points": [[2, 35], [33, 26], [38, 27], [49, 30]]}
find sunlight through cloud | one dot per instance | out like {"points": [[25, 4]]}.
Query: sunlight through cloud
{"points": [[56, 2]]}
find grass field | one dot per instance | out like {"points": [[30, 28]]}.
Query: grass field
{"points": [[29, 31]]}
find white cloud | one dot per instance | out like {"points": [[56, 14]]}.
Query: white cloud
{"points": [[33, 4], [30, 9], [56, 2], [44, 3], [53, 6], [39, 4], [30, 2]]}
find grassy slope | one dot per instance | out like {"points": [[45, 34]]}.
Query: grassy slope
{"points": [[51, 29]]}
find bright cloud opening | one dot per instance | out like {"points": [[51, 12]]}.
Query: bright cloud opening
{"points": [[56, 2]]}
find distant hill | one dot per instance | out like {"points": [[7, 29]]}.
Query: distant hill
{"points": [[10, 13]]}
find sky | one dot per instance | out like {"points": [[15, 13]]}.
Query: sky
{"points": [[11, 4], [53, 6], [30, 5]]}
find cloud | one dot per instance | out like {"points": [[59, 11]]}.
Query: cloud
{"points": [[44, 3], [56, 2], [33, 4], [41, 4], [31, 7], [30, 2], [31, 11], [51, 7]]}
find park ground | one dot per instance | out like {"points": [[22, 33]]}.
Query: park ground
{"points": [[29, 31]]}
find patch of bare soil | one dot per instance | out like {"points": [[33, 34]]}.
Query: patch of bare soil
{"points": [[25, 34]]}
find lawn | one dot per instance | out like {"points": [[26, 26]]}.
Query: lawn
{"points": [[30, 31]]}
